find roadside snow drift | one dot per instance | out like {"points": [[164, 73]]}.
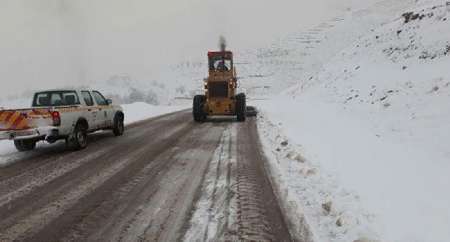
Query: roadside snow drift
{"points": [[140, 111], [372, 126]]}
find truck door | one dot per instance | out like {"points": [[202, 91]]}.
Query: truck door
{"points": [[104, 118], [91, 112]]}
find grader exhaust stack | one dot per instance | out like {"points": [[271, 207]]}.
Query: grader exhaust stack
{"points": [[220, 98], [222, 43]]}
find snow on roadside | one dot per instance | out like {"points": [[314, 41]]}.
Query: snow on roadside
{"points": [[140, 111], [316, 206], [133, 113], [372, 126]]}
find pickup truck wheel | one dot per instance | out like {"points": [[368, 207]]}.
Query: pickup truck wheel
{"points": [[24, 145], [78, 139], [119, 127]]}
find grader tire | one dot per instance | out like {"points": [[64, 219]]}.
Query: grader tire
{"points": [[197, 108], [241, 107]]}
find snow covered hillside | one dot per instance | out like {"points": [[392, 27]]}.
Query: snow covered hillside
{"points": [[361, 142]]}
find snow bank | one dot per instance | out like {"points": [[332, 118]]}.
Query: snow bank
{"points": [[373, 122], [141, 111], [319, 208]]}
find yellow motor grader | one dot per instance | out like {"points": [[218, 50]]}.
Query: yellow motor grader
{"points": [[220, 98]]}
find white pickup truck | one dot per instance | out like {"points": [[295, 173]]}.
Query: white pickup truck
{"points": [[61, 114]]}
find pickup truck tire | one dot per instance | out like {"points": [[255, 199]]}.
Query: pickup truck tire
{"points": [[119, 126], [78, 139], [24, 145]]}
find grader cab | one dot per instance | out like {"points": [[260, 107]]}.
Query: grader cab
{"points": [[220, 98]]}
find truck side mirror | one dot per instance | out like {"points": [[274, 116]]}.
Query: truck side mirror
{"points": [[109, 101]]}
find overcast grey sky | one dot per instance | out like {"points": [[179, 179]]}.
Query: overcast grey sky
{"points": [[47, 43]]}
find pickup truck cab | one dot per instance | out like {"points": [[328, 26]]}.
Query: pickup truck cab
{"points": [[61, 114]]}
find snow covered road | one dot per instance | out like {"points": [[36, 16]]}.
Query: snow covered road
{"points": [[147, 185]]}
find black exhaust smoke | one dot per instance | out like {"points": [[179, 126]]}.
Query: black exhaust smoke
{"points": [[222, 43]]}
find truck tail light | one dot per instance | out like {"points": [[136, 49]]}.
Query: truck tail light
{"points": [[56, 118]]}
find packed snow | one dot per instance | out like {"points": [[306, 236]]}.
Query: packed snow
{"points": [[140, 111], [216, 209]]}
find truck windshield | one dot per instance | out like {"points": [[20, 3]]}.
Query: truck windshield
{"points": [[55, 98]]}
